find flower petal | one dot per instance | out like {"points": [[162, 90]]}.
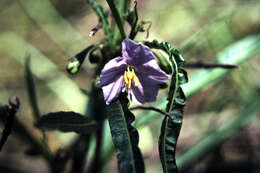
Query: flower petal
{"points": [[152, 71], [112, 90], [146, 91], [135, 53], [111, 71], [136, 94]]}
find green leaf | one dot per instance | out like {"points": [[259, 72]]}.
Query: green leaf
{"points": [[125, 138], [170, 132], [67, 122], [236, 53], [183, 76], [170, 129], [31, 87]]}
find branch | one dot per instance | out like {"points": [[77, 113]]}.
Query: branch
{"points": [[133, 29], [102, 16], [209, 65], [98, 26], [153, 109], [10, 111]]}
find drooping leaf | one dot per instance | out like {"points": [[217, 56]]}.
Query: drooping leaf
{"points": [[170, 132], [170, 129], [139, 162], [67, 122], [236, 54], [125, 139]]}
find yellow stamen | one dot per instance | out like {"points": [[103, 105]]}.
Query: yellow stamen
{"points": [[136, 80], [125, 78], [129, 75]]}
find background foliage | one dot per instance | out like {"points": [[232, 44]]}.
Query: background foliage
{"points": [[220, 126]]}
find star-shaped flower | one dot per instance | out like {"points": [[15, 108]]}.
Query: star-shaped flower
{"points": [[136, 70]]}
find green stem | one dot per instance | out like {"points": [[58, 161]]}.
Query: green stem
{"points": [[99, 10], [176, 83], [26, 136], [133, 28], [117, 17], [122, 7]]}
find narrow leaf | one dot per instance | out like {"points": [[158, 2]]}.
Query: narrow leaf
{"points": [[31, 87], [170, 129], [67, 122], [125, 139], [170, 132]]}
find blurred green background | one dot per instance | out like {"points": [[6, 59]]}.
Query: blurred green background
{"points": [[52, 31]]}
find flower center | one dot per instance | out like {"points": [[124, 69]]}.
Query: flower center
{"points": [[130, 75]]}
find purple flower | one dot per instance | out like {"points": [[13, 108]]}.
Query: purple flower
{"points": [[137, 71]]}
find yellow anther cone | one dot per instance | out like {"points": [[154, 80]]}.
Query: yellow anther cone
{"points": [[129, 75]]}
